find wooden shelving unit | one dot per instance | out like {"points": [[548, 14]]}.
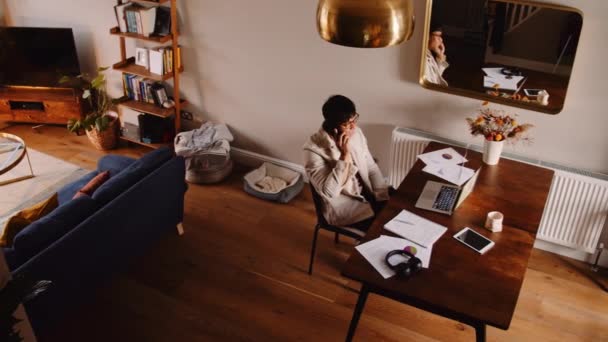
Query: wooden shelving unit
{"points": [[127, 65], [157, 39], [137, 141], [130, 67], [152, 2], [150, 108]]}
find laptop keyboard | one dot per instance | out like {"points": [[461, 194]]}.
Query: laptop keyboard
{"points": [[446, 198]]}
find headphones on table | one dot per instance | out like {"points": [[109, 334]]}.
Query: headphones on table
{"points": [[408, 268], [510, 72]]}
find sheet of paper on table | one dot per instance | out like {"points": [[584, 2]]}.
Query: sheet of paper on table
{"points": [[446, 156], [493, 72], [375, 251], [494, 76], [503, 83], [415, 228], [452, 173]]}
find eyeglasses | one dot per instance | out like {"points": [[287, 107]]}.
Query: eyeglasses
{"points": [[353, 120]]}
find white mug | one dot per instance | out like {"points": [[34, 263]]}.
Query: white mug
{"points": [[494, 221], [543, 97]]}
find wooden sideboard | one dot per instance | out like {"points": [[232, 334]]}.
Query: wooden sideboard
{"points": [[40, 105]]}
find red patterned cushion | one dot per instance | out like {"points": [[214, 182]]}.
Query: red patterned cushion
{"points": [[93, 184]]}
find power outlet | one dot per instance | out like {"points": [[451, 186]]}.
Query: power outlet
{"points": [[186, 115]]}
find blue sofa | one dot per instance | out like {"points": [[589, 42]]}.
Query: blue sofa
{"points": [[87, 239]]}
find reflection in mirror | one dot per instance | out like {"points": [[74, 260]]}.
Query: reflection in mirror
{"points": [[516, 53]]}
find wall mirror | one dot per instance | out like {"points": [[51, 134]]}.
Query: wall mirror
{"points": [[512, 52]]}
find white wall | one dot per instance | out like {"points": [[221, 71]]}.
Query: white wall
{"points": [[260, 67]]}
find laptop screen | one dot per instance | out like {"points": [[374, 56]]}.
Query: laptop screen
{"points": [[467, 188]]}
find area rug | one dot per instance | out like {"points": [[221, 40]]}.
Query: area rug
{"points": [[50, 175]]}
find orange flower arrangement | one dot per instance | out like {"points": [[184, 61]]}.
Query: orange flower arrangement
{"points": [[495, 125]]}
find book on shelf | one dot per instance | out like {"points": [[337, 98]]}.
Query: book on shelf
{"points": [[162, 23], [141, 89], [119, 10], [161, 60], [148, 20], [135, 18], [155, 59], [166, 58], [131, 14]]}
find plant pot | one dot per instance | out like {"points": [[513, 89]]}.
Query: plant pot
{"points": [[492, 151], [107, 139]]}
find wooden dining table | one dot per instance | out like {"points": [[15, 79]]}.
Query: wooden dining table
{"points": [[461, 284]]}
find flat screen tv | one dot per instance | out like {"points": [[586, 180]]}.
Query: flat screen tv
{"points": [[34, 56]]}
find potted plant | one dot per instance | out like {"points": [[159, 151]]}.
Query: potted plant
{"points": [[16, 291], [101, 123], [496, 127]]}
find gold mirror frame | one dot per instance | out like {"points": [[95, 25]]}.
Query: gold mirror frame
{"points": [[478, 95]]}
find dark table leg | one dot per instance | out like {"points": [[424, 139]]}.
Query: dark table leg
{"points": [[480, 332], [357, 313]]}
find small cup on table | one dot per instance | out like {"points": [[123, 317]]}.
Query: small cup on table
{"points": [[494, 221]]}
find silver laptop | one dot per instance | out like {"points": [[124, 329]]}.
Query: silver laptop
{"points": [[445, 198]]}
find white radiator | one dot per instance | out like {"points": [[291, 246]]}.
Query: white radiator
{"points": [[576, 207], [404, 149], [575, 212]]}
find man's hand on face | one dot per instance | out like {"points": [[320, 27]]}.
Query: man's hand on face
{"points": [[342, 139]]}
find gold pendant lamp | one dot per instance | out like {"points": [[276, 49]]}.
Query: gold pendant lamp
{"points": [[365, 23]]}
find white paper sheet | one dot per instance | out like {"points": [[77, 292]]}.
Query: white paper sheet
{"points": [[415, 228], [375, 252], [503, 82], [454, 174], [446, 156], [493, 72]]}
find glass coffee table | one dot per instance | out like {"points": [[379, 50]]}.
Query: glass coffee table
{"points": [[12, 152]]}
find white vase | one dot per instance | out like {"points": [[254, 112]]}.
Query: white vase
{"points": [[492, 151]]}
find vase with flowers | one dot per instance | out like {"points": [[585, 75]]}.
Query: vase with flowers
{"points": [[497, 127]]}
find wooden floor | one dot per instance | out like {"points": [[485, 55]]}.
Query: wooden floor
{"points": [[239, 273]]}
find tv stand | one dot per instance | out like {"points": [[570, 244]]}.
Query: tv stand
{"points": [[40, 105]]}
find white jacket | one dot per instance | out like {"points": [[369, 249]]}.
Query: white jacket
{"points": [[433, 69], [343, 202]]}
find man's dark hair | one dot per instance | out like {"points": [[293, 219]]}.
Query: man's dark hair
{"points": [[337, 110], [436, 26]]}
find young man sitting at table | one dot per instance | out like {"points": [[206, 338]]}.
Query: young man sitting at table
{"points": [[341, 168]]}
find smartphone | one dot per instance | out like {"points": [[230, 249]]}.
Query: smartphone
{"points": [[474, 240], [339, 131]]}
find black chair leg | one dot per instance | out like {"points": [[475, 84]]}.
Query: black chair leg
{"points": [[312, 252], [337, 238]]}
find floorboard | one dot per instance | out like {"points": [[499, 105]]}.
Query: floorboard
{"points": [[239, 274]]}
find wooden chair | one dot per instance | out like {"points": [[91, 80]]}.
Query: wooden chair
{"points": [[322, 224]]}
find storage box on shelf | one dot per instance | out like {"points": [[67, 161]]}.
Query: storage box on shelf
{"points": [[127, 65]]}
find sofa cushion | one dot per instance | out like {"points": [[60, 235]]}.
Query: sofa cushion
{"points": [[68, 191], [97, 181], [42, 233], [132, 174], [10, 257], [19, 221], [114, 163]]}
